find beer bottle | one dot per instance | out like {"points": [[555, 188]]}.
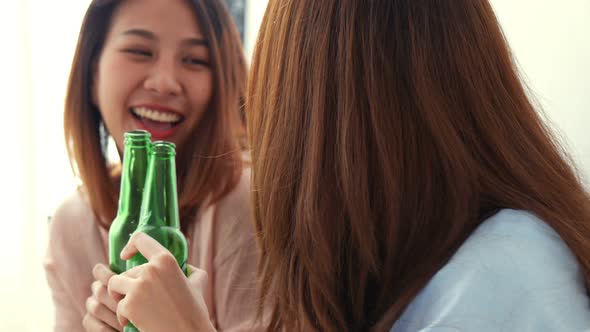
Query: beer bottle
{"points": [[135, 163], [159, 208]]}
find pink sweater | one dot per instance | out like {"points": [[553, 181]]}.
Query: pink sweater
{"points": [[221, 242]]}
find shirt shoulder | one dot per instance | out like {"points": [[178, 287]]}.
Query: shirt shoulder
{"points": [[76, 240], [518, 244], [73, 219], [236, 203], [76, 244], [233, 227], [513, 273], [232, 259]]}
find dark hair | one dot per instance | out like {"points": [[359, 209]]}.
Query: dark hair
{"points": [[383, 133], [199, 174]]}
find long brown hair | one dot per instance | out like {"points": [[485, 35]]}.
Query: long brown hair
{"points": [[383, 133], [210, 165]]}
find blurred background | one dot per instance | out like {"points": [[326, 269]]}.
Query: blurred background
{"points": [[550, 39]]}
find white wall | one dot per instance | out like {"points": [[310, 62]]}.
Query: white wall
{"points": [[13, 173], [38, 40], [54, 27], [551, 40], [254, 13]]}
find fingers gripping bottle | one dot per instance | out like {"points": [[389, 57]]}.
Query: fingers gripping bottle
{"points": [[135, 165], [159, 209]]}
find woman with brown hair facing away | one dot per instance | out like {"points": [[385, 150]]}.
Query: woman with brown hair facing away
{"points": [[176, 69], [402, 179]]}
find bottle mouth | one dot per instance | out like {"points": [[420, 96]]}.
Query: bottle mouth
{"points": [[163, 148], [137, 136]]}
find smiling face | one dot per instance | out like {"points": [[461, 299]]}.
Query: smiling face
{"points": [[154, 71]]}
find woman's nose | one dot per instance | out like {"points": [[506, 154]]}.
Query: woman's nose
{"points": [[163, 79]]}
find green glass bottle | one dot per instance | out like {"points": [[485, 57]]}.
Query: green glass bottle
{"points": [[159, 208], [133, 176]]}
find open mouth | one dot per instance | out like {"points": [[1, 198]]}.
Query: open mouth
{"points": [[160, 124]]}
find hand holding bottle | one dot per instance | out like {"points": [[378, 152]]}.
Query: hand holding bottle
{"points": [[156, 295], [101, 307], [158, 215]]}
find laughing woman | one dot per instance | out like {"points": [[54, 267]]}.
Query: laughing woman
{"points": [[176, 69]]}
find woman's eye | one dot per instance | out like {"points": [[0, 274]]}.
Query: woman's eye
{"points": [[138, 52], [195, 61]]}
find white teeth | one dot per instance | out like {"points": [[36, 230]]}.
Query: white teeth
{"points": [[156, 115]]}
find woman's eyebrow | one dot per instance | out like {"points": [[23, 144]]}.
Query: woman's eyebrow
{"points": [[191, 41], [140, 33], [195, 42]]}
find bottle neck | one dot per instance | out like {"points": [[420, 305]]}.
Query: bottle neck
{"points": [[133, 177], [160, 200]]}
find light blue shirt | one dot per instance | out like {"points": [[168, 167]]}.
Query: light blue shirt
{"points": [[514, 273]]}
